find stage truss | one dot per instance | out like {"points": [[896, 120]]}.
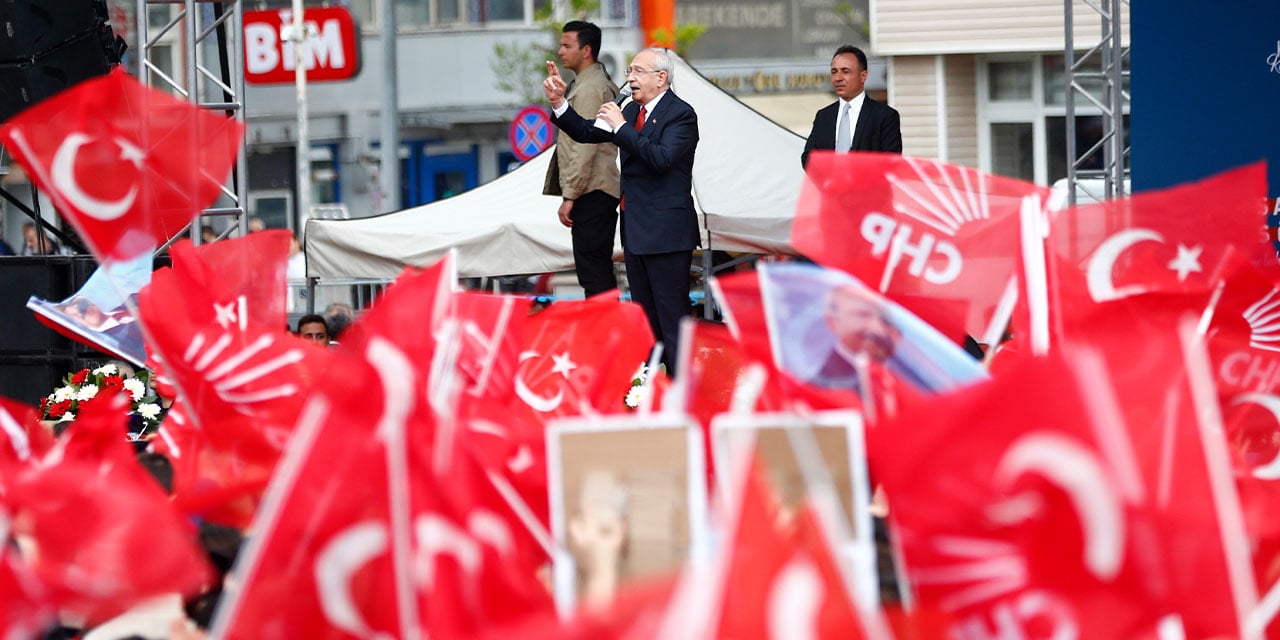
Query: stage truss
{"points": [[200, 45], [1099, 76]]}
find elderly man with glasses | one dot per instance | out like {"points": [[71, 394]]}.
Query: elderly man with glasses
{"points": [[656, 134]]}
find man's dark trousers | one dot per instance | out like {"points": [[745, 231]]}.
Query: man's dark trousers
{"points": [[595, 222], [669, 301]]}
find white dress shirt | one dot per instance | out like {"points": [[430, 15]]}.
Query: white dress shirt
{"points": [[855, 108]]}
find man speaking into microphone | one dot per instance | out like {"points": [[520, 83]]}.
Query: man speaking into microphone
{"points": [[657, 135]]}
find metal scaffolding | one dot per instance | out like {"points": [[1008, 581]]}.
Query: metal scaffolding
{"points": [[207, 69], [1098, 76]]}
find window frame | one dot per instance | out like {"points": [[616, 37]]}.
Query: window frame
{"points": [[1035, 111]]}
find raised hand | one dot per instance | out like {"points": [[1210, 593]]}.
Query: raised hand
{"points": [[554, 86]]}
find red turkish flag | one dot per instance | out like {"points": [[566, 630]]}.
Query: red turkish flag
{"points": [[1167, 240], [87, 511], [781, 578], [329, 560], [478, 563], [579, 357], [128, 165], [938, 238]]}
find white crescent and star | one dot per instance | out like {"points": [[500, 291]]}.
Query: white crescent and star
{"points": [[1102, 263], [536, 402], [62, 172]]}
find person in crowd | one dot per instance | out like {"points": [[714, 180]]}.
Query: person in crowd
{"points": [[207, 234], [338, 316], [38, 243], [312, 328], [854, 122], [256, 224], [657, 135], [297, 267], [585, 176]]}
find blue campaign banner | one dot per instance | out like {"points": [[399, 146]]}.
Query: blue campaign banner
{"points": [[1205, 89]]}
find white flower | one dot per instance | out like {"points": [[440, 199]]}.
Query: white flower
{"points": [[135, 388], [105, 370], [149, 410], [635, 396], [67, 417], [63, 393], [87, 392]]}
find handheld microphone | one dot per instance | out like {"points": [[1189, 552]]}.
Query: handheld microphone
{"points": [[624, 93]]}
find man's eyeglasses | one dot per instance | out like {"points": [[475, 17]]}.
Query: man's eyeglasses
{"points": [[635, 71]]}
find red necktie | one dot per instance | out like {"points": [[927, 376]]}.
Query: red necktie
{"points": [[622, 202]]}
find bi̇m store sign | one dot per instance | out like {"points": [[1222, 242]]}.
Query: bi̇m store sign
{"points": [[331, 50]]}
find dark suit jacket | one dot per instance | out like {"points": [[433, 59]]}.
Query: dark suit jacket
{"points": [[657, 173], [879, 128]]}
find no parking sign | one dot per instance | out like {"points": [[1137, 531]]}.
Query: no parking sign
{"points": [[530, 132]]}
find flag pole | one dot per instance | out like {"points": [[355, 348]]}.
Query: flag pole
{"points": [[298, 36]]}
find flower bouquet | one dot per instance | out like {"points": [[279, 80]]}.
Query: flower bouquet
{"points": [[83, 386], [637, 393]]}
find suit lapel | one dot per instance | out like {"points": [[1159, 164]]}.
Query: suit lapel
{"points": [[863, 125]]}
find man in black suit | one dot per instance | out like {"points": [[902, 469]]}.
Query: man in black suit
{"points": [[855, 122], [656, 134]]}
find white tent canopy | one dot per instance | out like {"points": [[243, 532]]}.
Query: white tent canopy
{"points": [[746, 178]]}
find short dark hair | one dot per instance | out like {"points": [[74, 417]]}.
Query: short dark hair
{"points": [[310, 318], [588, 35], [857, 53]]}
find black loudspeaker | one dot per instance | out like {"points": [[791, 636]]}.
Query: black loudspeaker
{"points": [[21, 278], [49, 45], [29, 27], [28, 379], [25, 83]]}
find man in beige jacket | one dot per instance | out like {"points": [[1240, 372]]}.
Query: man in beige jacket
{"points": [[586, 175]]}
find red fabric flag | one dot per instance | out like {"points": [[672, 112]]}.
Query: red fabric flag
{"points": [[1168, 240], [128, 165], [579, 357], [26, 607], [215, 322], [104, 534], [237, 282], [1066, 560], [361, 539], [781, 578], [935, 237], [325, 561], [490, 336], [1051, 486], [24, 438]]}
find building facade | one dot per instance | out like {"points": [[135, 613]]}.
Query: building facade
{"points": [[453, 119], [982, 82]]}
